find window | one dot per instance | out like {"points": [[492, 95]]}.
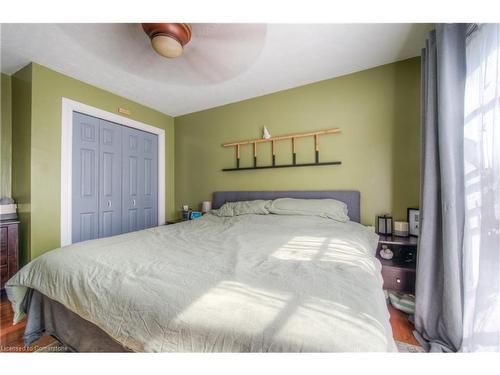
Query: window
{"points": [[481, 261]]}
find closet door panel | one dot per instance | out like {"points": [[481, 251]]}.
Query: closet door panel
{"points": [[85, 177], [132, 218], [150, 169], [110, 181], [140, 180]]}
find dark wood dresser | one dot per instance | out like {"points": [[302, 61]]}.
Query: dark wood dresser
{"points": [[9, 252], [399, 272]]}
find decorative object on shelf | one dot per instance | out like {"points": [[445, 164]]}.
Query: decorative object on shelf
{"points": [[168, 39], [206, 206], [413, 221], [386, 253], [8, 209], [195, 215], [273, 140], [265, 133], [384, 224], [401, 228]]}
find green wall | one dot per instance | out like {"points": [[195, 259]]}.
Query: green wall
{"points": [[378, 113], [5, 135], [48, 89], [21, 156]]}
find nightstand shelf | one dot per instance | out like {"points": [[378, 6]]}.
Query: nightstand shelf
{"points": [[399, 274], [395, 263], [396, 240]]}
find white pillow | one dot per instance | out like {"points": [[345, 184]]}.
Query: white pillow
{"points": [[258, 207], [327, 208]]}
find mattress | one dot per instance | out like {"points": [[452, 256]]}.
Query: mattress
{"points": [[258, 283]]}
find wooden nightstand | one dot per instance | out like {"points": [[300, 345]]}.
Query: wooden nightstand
{"points": [[398, 274], [173, 221]]}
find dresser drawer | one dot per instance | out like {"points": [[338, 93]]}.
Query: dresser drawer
{"points": [[399, 279], [3, 246], [9, 256]]}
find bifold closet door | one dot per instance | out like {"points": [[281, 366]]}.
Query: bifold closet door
{"points": [[139, 180], [110, 179], [115, 179], [85, 178]]}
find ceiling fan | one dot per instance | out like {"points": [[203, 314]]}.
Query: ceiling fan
{"points": [[168, 39]]}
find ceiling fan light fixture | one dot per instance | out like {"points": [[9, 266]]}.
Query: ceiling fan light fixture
{"points": [[166, 46], [168, 39]]}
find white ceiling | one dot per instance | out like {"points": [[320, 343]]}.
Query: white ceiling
{"points": [[223, 63]]}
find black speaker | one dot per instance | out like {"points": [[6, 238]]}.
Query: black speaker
{"points": [[409, 256]]}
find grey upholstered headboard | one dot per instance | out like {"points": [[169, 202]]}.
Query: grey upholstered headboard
{"points": [[349, 197]]}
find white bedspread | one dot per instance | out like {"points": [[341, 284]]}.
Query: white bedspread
{"points": [[249, 283]]}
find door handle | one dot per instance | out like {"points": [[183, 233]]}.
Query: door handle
{"points": [[109, 203], [133, 202]]}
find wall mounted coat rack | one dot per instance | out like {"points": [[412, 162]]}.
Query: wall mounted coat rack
{"points": [[273, 140]]}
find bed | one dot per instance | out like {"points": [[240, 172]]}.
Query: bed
{"points": [[250, 283]]}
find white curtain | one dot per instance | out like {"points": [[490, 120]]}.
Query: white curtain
{"points": [[481, 260]]}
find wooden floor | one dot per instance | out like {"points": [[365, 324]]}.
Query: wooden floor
{"points": [[402, 329], [11, 336]]}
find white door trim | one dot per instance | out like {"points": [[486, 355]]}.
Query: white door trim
{"points": [[68, 107]]}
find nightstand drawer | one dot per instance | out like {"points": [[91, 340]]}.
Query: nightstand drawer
{"points": [[399, 279]]}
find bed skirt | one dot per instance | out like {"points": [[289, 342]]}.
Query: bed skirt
{"points": [[77, 334]]}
